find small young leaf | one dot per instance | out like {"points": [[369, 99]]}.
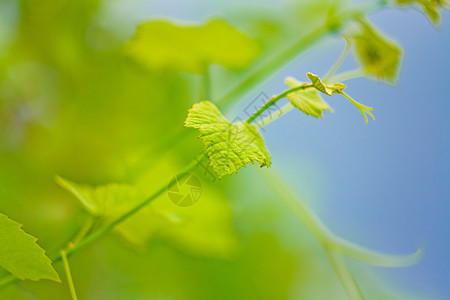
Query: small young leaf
{"points": [[308, 101], [20, 255], [431, 8], [161, 44], [228, 146], [104, 201], [377, 54], [337, 88], [318, 84]]}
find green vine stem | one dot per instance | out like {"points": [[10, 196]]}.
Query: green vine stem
{"points": [[73, 293], [88, 225], [345, 276], [348, 75], [283, 110], [328, 240], [275, 99], [333, 245], [338, 62], [207, 83]]}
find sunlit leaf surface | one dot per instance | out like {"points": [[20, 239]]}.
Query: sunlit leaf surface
{"points": [[318, 84], [228, 146]]}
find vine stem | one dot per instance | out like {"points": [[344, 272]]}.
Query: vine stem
{"points": [[330, 242], [275, 99], [73, 293], [207, 83], [90, 222], [345, 276], [338, 62], [285, 109], [352, 74], [274, 64], [315, 226]]}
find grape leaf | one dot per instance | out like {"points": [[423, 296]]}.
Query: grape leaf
{"points": [[228, 146], [21, 255], [204, 229], [431, 8], [160, 44], [308, 101], [108, 200], [376, 53], [318, 84]]}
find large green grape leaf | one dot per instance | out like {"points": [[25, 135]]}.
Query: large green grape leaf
{"points": [[377, 54], [229, 146], [431, 8], [20, 255], [308, 101], [160, 44]]}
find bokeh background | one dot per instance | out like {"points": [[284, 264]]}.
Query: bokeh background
{"points": [[73, 103]]}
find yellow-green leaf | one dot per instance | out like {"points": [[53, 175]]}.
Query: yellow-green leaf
{"points": [[308, 101], [161, 44], [377, 54], [20, 255], [318, 84], [228, 146]]}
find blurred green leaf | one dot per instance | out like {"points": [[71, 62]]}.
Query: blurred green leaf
{"points": [[431, 8], [308, 101], [108, 200], [228, 146], [203, 229], [20, 255], [161, 44], [377, 54]]}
